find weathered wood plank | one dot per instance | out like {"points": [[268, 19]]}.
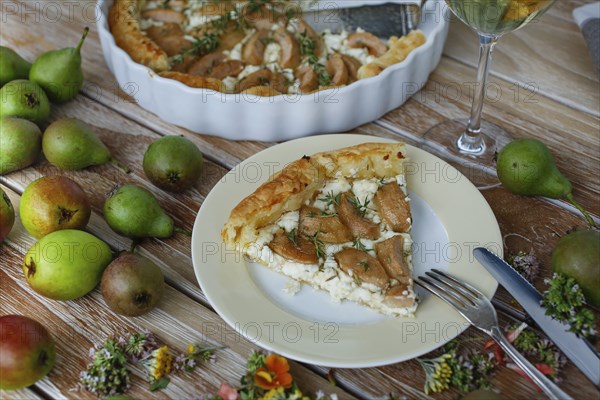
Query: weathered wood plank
{"points": [[178, 320], [545, 119], [548, 53], [21, 394], [573, 137]]}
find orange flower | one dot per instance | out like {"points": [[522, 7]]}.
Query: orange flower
{"points": [[275, 375]]}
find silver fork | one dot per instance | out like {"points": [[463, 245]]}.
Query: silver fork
{"points": [[480, 313]]}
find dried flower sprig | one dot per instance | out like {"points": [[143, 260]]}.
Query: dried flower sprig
{"points": [[194, 356], [466, 370], [140, 345], [526, 264], [108, 374], [565, 302], [437, 373]]}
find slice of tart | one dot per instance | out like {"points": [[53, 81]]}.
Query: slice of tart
{"points": [[338, 221]]}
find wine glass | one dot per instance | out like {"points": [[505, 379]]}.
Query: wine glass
{"points": [[490, 19]]}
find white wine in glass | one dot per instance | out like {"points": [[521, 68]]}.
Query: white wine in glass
{"points": [[490, 19]]}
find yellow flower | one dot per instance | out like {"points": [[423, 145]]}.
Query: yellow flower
{"points": [[437, 373], [273, 394], [161, 363]]}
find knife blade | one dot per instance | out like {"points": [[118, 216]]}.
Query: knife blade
{"points": [[577, 349], [381, 18]]}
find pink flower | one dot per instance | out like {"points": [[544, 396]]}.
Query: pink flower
{"points": [[227, 392], [543, 368]]}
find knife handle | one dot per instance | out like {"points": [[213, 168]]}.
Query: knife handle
{"points": [[548, 387]]}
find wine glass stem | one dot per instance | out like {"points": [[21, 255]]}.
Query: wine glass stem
{"points": [[472, 141]]}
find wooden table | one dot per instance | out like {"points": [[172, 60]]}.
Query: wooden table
{"points": [[548, 90]]}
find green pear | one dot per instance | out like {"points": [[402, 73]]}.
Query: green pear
{"points": [[577, 255], [24, 99], [20, 144], [59, 72], [66, 264], [134, 212], [72, 144], [12, 66], [526, 167], [7, 215], [52, 203], [173, 163]]}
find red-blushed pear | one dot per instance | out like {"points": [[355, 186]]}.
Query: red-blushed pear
{"points": [[52, 203], [66, 264], [7, 215], [27, 352]]}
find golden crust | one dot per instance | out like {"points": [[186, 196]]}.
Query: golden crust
{"points": [[202, 82], [288, 189], [262, 91], [124, 24], [399, 49]]}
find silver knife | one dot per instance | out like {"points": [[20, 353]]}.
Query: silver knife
{"points": [[577, 349], [381, 18]]}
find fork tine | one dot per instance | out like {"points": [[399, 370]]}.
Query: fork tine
{"points": [[441, 292], [453, 286], [463, 284]]}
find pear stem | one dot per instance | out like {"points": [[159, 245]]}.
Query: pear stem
{"points": [[134, 244], [85, 33], [578, 206], [182, 231], [121, 166]]}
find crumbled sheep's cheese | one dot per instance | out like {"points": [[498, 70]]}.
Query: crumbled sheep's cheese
{"points": [[292, 287], [249, 69], [289, 221], [147, 23], [198, 19], [329, 276], [230, 83]]}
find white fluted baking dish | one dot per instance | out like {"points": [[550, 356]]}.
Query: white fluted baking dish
{"points": [[248, 117]]}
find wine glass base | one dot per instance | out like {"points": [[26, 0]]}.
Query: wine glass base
{"points": [[444, 140]]}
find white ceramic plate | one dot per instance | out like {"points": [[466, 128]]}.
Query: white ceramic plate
{"points": [[450, 218], [247, 117]]}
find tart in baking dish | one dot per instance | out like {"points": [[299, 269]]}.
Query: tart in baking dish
{"points": [[261, 47], [338, 221]]}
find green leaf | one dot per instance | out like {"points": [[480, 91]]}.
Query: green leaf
{"points": [[160, 384]]}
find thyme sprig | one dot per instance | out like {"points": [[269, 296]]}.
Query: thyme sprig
{"points": [[319, 245], [363, 207], [293, 236], [323, 76], [358, 244], [211, 38], [331, 199], [308, 47]]}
